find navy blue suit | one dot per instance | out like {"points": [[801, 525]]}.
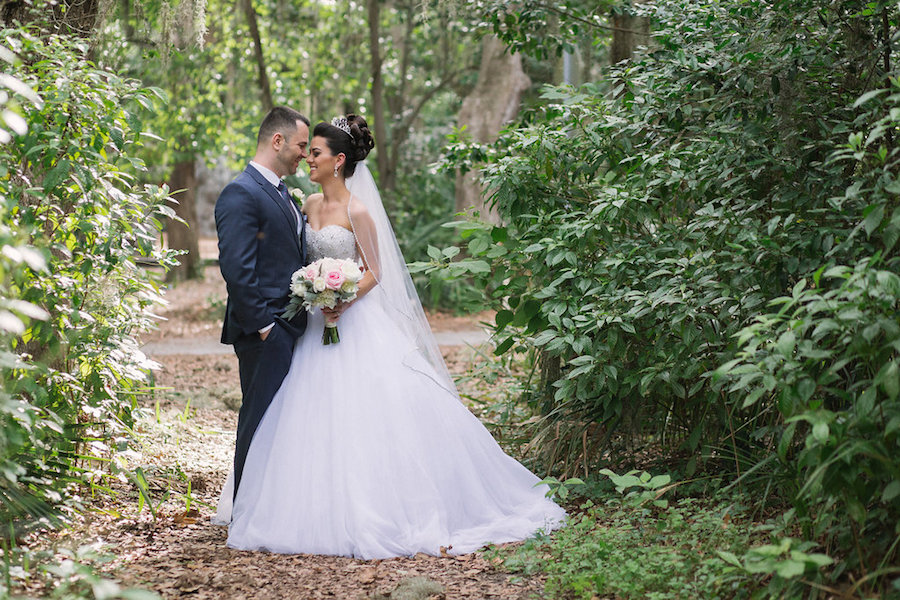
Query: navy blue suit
{"points": [[259, 250]]}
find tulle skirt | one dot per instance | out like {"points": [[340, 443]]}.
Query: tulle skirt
{"points": [[360, 455]]}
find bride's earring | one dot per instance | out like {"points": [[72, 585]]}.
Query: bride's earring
{"points": [[335, 171]]}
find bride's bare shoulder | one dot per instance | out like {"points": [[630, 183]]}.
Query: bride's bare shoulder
{"points": [[312, 202], [357, 209], [359, 215]]}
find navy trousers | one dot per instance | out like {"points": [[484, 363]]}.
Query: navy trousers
{"points": [[263, 365]]}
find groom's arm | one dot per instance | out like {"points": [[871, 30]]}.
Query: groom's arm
{"points": [[237, 224]]}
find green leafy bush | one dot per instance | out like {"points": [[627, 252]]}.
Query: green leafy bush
{"points": [[828, 362], [72, 223], [726, 204]]}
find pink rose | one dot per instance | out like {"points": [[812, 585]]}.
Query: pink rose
{"points": [[310, 273], [334, 279]]}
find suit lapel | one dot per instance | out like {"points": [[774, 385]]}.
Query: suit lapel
{"points": [[303, 236], [281, 202]]}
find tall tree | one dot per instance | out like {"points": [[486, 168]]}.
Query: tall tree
{"points": [[492, 103], [265, 90]]}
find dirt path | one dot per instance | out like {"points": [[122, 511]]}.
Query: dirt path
{"points": [[187, 433]]}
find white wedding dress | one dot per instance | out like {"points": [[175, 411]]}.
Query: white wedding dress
{"points": [[362, 454]]}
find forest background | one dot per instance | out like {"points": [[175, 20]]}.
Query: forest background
{"points": [[691, 249]]}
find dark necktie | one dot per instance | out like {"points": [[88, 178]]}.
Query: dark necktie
{"points": [[282, 190]]}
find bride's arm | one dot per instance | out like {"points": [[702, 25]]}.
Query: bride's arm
{"points": [[367, 246], [366, 284]]}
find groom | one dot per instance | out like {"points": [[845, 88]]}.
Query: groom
{"points": [[261, 243]]}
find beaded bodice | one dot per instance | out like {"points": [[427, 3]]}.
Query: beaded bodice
{"points": [[332, 241]]}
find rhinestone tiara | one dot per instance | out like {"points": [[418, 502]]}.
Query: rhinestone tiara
{"points": [[342, 124]]}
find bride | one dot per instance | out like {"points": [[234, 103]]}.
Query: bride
{"points": [[366, 450]]}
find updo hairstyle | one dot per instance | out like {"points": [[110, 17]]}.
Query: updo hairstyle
{"points": [[355, 146]]}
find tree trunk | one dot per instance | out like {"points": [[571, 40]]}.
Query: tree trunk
{"points": [[586, 55], [489, 106], [265, 91], [181, 236], [629, 33]]}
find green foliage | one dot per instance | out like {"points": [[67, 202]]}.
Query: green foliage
{"points": [[72, 222], [650, 487], [422, 202], [625, 549], [639, 545], [827, 362], [204, 64], [705, 251], [561, 489], [542, 29], [826, 358], [786, 561]]}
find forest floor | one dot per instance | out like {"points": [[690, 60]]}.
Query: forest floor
{"points": [[185, 445]]}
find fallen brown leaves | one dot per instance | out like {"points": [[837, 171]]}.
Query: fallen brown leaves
{"points": [[180, 554], [186, 557]]}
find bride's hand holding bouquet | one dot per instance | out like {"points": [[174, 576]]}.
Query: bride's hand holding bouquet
{"points": [[328, 284]]}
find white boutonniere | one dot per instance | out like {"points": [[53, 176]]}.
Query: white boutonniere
{"points": [[298, 196]]}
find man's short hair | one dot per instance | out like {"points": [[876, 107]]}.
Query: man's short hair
{"points": [[280, 119]]}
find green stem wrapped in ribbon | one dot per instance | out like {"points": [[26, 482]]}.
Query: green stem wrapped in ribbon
{"points": [[330, 335]]}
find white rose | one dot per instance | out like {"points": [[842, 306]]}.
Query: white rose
{"points": [[319, 284], [298, 287], [351, 271], [349, 287]]}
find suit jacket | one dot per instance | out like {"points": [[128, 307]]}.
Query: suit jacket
{"points": [[259, 250]]}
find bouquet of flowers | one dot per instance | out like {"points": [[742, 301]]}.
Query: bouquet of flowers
{"points": [[324, 283]]}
